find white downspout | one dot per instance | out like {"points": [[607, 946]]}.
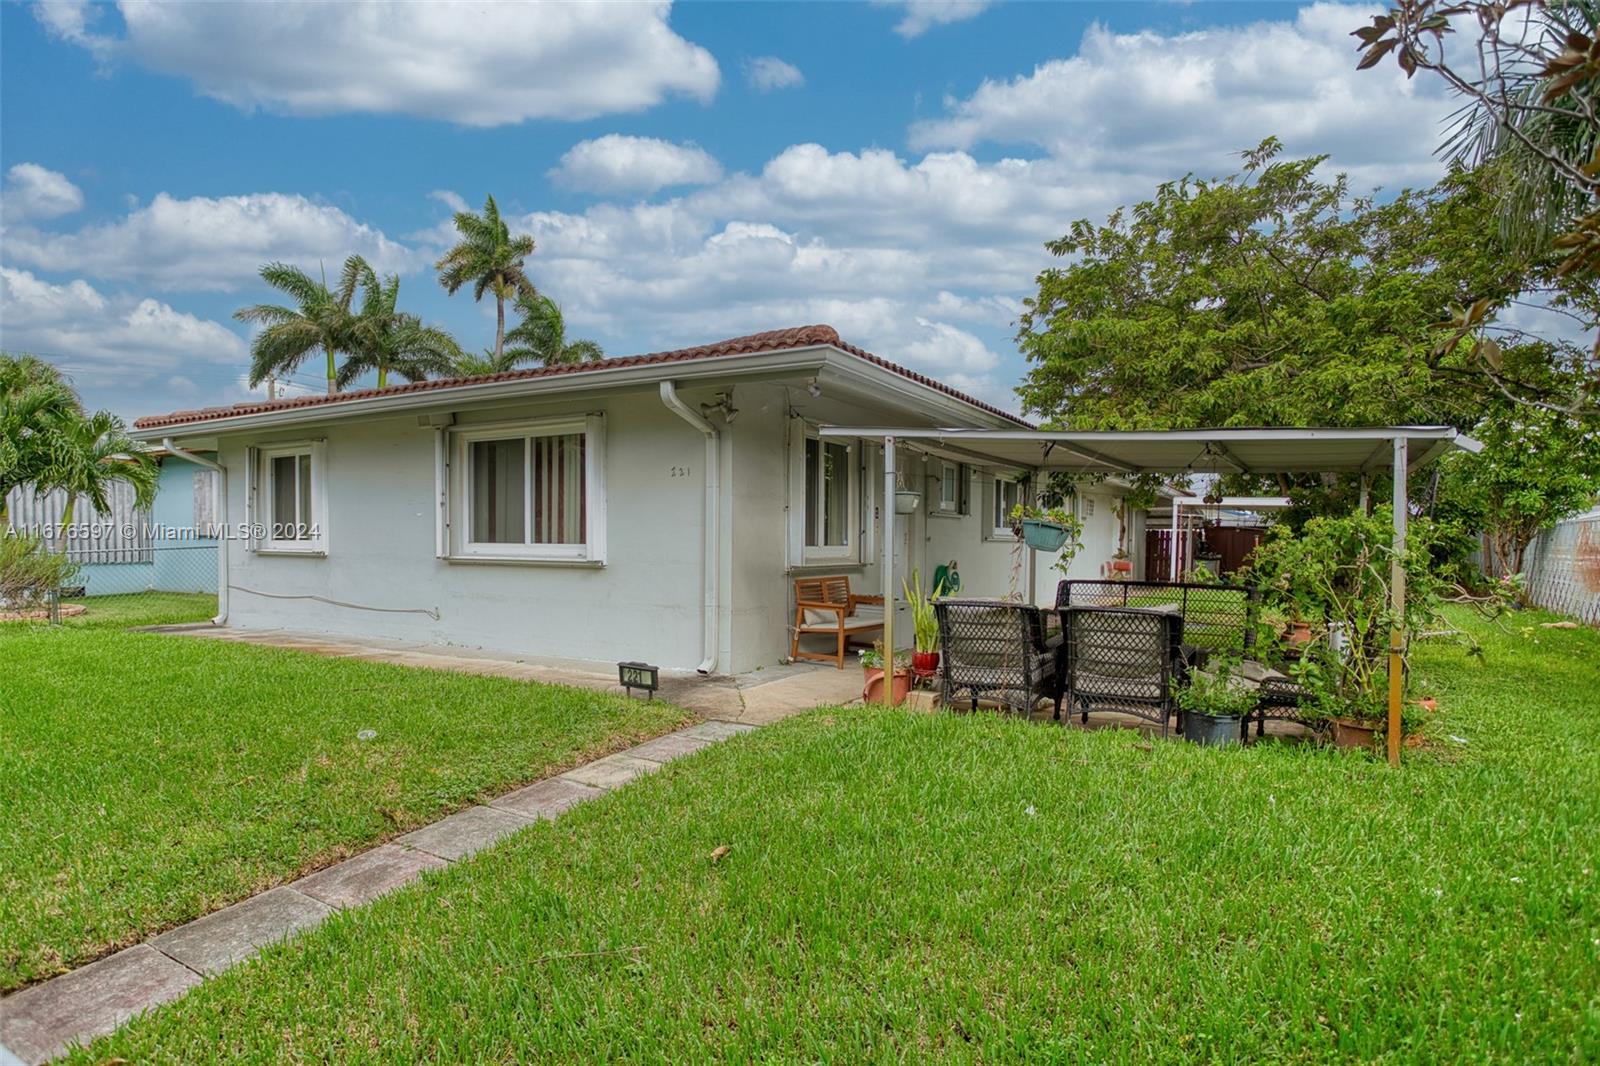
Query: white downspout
{"points": [[222, 510], [713, 520]]}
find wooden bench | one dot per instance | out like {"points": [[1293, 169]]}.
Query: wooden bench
{"points": [[826, 606]]}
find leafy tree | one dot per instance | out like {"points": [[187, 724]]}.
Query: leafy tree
{"points": [[93, 452], [1537, 467], [386, 340], [489, 259], [34, 402], [1529, 83], [48, 442], [322, 319], [541, 337], [1271, 297]]}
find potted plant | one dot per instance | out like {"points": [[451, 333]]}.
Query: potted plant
{"points": [[1046, 529], [1121, 565], [1338, 569], [924, 625], [1215, 704], [872, 665]]}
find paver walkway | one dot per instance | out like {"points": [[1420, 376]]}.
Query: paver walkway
{"points": [[42, 1022]]}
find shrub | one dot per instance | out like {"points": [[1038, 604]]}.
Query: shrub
{"points": [[29, 572]]}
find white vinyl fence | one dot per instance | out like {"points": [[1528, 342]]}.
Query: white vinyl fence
{"points": [[1562, 566], [120, 536]]}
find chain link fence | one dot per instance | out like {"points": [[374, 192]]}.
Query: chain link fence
{"points": [[153, 584]]}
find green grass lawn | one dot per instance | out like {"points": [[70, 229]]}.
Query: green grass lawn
{"points": [[144, 609], [899, 886], [148, 779]]}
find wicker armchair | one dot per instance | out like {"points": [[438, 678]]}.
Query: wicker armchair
{"points": [[996, 650], [1124, 660], [1216, 618]]}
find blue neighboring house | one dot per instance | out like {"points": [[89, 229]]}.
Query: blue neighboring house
{"points": [[170, 548]]}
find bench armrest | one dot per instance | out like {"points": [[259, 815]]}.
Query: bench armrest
{"points": [[854, 599]]}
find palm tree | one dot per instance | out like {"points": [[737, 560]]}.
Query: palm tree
{"points": [[385, 340], [322, 320], [490, 259], [35, 403], [541, 337], [93, 452]]}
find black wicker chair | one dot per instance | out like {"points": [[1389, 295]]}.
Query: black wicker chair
{"points": [[1124, 660], [996, 650], [1283, 699], [1216, 618]]}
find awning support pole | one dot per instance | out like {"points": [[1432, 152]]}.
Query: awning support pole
{"points": [[887, 525], [1397, 583], [1172, 552]]}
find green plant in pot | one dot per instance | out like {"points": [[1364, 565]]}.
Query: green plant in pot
{"points": [[1338, 569], [924, 626], [872, 667], [1215, 703]]}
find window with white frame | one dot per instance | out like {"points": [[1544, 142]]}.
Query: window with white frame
{"points": [[1007, 495], [291, 515], [950, 487], [832, 494], [529, 491]]}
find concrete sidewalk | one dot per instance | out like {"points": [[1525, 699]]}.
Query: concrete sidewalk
{"points": [[755, 698]]}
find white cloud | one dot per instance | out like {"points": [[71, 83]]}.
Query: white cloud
{"points": [[1158, 104], [478, 64], [616, 163], [204, 243], [34, 192], [920, 16], [766, 73], [108, 340]]}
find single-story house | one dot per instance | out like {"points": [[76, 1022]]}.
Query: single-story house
{"points": [[656, 507]]}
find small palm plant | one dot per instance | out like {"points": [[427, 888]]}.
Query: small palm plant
{"points": [[489, 259], [94, 452]]}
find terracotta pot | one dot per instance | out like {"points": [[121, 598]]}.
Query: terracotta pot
{"points": [[1122, 566], [924, 663], [1349, 733], [1299, 632], [872, 692], [1428, 703]]}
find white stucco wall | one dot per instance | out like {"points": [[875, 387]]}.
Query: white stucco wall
{"points": [[645, 602]]}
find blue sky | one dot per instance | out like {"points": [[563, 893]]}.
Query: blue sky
{"points": [[691, 172]]}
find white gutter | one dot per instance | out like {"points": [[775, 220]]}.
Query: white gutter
{"points": [[221, 618], [713, 521]]}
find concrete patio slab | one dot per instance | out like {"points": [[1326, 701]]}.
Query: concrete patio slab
{"points": [[41, 1022], [613, 771], [217, 941], [464, 832], [367, 876], [547, 798], [758, 697]]}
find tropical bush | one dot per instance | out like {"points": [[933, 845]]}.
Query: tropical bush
{"points": [[29, 571]]}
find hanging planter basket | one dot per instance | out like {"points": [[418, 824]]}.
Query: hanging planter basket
{"points": [[906, 502], [1043, 536]]}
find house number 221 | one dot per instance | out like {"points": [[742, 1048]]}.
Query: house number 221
{"points": [[678, 471]]}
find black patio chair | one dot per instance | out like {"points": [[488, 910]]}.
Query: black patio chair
{"points": [[996, 650], [1122, 659], [1217, 618]]}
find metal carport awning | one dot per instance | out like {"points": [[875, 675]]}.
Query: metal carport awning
{"points": [[1263, 450]]}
